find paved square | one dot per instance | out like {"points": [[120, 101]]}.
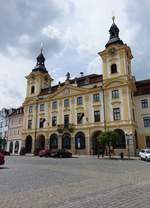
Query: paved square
{"points": [[32, 182]]}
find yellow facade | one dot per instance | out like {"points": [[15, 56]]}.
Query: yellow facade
{"points": [[108, 103]]}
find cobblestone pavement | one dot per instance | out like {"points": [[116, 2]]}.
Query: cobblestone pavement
{"points": [[32, 182]]}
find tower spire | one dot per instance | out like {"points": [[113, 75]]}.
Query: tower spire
{"points": [[114, 34], [40, 65]]}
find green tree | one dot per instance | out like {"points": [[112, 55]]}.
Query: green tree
{"points": [[2, 143], [108, 139]]}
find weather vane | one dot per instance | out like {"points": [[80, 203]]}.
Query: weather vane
{"points": [[113, 16]]}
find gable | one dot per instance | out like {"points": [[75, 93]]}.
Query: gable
{"points": [[68, 91]]}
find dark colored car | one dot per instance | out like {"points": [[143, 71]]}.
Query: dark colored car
{"points": [[2, 159], [62, 153], [4, 152], [44, 153]]}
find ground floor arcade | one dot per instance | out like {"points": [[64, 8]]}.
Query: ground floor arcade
{"points": [[82, 142], [14, 146]]}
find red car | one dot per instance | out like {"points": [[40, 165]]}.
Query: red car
{"points": [[44, 153], [2, 159]]}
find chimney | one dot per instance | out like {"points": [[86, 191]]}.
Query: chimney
{"points": [[81, 73]]}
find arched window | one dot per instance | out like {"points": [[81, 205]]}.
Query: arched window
{"points": [[16, 147], [121, 142], [113, 68], [11, 147], [66, 141], [28, 144], [80, 140], [32, 90], [53, 141]]}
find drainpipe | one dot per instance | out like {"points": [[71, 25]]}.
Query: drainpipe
{"points": [[35, 125], [104, 114]]}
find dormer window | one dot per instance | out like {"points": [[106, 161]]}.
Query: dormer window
{"points": [[32, 90], [113, 68]]}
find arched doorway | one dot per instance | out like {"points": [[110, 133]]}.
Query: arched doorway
{"points": [[66, 141], [95, 144], [53, 144], [80, 140], [40, 143], [121, 142], [28, 144], [16, 147], [11, 147]]}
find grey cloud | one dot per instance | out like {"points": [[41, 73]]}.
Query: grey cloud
{"points": [[18, 18], [138, 16]]}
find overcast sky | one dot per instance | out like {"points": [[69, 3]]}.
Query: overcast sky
{"points": [[73, 32]]}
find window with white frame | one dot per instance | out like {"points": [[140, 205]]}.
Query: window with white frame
{"points": [[79, 100], [30, 109], [66, 102], [116, 114], [115, 94], [30, 124], [54, 105], [42, 106], [146, 121], [96, 97], [144, 103]]}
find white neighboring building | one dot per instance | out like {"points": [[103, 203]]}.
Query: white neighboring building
{"points": [[4, 123], [14, 141]]}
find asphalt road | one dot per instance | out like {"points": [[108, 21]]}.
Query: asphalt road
{"points": [[32, 182]]}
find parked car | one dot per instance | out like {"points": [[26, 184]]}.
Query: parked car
{"points": [[145, 154], [4, 152], [44, 153], [62, 153], [2, 159]]}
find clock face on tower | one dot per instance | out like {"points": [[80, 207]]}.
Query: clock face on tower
{"points": [[112, 51]]}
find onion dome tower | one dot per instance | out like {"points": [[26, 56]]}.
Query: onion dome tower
{"points": [[40, 65], [114, 35]]}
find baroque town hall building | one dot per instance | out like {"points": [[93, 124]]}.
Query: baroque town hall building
{"points": [[72, 114]]}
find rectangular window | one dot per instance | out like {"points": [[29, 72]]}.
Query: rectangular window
{"points": [[144, 103], [96, 97], [146, 121], [147, 139], [42, 120], [66, 120], [54, 120], [30, 109], [115, 94], [79, 100], [80, 118], [66, 103], [54, 105], [96, 116], [29, 124], [116, 114], [42, 106]]}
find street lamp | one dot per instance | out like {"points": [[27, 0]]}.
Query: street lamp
{"points": [[129, 139]]}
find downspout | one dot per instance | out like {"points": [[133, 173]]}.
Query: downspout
{"points": [[104, 114], [35, 126]]}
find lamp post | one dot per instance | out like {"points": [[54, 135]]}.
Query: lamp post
{"points": [[129, 138]]}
